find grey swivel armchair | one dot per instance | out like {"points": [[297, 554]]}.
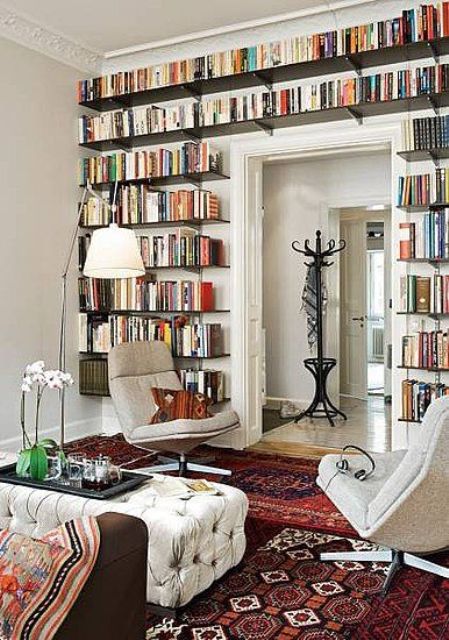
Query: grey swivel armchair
{"points": [[403, 506], [134, 368]]}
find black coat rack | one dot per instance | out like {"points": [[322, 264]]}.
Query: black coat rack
{"points": [[320, 366]]}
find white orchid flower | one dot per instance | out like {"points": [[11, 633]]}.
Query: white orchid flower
{"points": [[35, 368]]}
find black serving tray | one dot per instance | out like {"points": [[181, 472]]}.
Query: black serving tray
{"points": [[129, 481]]}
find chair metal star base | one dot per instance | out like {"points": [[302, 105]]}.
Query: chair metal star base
{"points": [[182, 465], [396, 558]]}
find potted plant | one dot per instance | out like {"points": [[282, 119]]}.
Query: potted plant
{"points": [[33, 461]]}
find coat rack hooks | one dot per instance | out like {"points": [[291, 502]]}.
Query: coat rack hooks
{"points": [[320, 366]]}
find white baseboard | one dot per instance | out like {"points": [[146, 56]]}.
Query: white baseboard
{"points": [[275, 403], [74, 430]]}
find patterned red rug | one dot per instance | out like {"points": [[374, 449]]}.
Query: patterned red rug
{"points": [[280, 489], [281, 590]]}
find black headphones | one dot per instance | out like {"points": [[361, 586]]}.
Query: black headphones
{"points": [[361, 474]]}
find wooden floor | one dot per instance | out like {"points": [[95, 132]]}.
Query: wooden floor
{"points": [[368, 426]]}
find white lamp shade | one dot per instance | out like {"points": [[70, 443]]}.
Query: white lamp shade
{"points": [[114, 253]]}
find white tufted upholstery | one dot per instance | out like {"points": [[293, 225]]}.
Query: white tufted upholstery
{"points": [[192, 542]]}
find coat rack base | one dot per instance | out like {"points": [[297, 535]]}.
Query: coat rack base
{"points": [[321, 405]]}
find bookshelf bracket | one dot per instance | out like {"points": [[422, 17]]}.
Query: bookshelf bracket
{"points": [[192, 93], [355, 114], [264, 127], [434, 159], [263, 80], [353, 65], [433, 51], [191, 136], [433, 104]]}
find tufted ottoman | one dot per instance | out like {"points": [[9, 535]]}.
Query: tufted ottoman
{"points": [[192, 542]]}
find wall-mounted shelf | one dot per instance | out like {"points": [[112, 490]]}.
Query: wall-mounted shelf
{"points": [[130, 312], [432, 261], [103, 354], [195, 178], [283, 73], [436, 154], [416, 208], [406, 420], [161, 224], [430, 369], [268, 124], [426, 314]]}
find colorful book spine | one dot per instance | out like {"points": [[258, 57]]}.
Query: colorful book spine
{"points": [[414, 190], [426, 350], [427, 238], [417, 396]]}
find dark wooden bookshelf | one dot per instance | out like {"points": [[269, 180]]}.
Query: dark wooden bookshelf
{"points": [[183, 178], [131, 312], [160, 224], [430, 369], [282, 73], [103, 354], [416, 208], [268, 124], [432, 261], [426, 314], [435, 154]]}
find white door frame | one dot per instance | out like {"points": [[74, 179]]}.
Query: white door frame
{"points": [[312, 139]]}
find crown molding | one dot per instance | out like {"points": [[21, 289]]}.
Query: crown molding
{"points": [[34, 36]]}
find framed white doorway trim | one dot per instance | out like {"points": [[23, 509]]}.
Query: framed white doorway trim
{"points": [[247, 158]]}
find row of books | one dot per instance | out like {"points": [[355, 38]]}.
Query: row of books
{"points": [[426, 350], [425, 133], [417, 396], [428, 238], [93, 379], [98, 333], [392, 85], [189, 157], [140, 204], [142, 294], [414, 190], [422, 294], [93, 376], [210, 382], [422, 190], [413, 25], [183, 248]]}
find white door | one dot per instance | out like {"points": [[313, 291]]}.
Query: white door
{"points": [[254, 288], [353, 347]]}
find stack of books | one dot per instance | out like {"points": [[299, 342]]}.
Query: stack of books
{"points": [[425, 133], [98, 334], [421, 294], [190, 157], [330, 94], [442, 185], [413, 25], [140, 204], [426, 239], [426, 350], [93, 377], [140, 294], [414, 190], [417, 396], [184, 248], [210, 382]]}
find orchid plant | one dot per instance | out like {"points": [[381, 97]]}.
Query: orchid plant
{"points": [[33, 459]]}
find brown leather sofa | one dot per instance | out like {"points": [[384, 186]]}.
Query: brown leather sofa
{"points": [[111, 605]]}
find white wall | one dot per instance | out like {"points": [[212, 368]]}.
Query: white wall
{"points": [[297, 197], [38, 206]]}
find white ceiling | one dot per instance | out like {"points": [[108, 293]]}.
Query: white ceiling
{"points": [[108, 25]]}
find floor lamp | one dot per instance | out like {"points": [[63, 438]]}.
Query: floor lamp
{"points": [[113, 253]]}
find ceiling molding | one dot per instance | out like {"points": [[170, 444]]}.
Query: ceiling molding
{"points": [[328, 7], [32, 35]]}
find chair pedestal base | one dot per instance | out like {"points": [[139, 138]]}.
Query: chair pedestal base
{"points": [[182, 466], [397, 560]]}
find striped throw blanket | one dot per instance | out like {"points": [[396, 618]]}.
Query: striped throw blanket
{"points": [[309, 304], [40, 580]]}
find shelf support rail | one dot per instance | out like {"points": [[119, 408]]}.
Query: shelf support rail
{"points": [[433, 51], [263, 80], [355, 114], [433, 104], [353, 65], [264, 127]]}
